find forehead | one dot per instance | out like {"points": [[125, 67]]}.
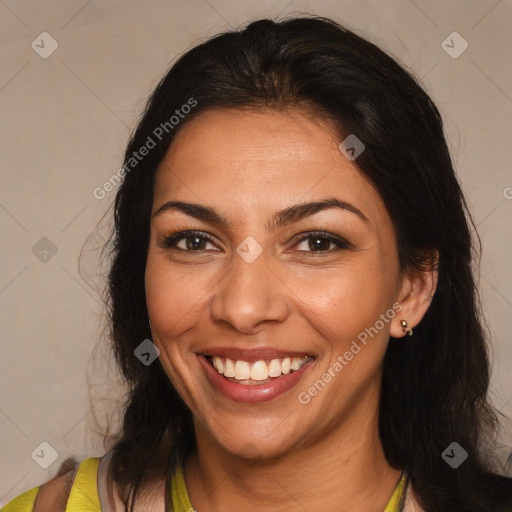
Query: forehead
{"points": [[240, 158], [260, 136]]}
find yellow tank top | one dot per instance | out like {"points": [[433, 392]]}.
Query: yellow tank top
{"points": [[84, 493]]}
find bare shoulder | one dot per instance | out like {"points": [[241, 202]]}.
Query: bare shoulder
{"points": [[53, 495]]}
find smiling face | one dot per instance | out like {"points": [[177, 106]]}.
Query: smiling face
{"points": [[253, 287]]}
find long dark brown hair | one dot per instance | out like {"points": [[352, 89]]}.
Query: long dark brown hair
{"points": [[435, 385]]}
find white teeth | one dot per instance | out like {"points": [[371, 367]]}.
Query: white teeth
{"points": [[274, 368], [295, 365], [259, 370], [242, 370], [217, 363], [229, 368]]}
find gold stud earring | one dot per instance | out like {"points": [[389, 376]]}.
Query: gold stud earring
{"points": [[404, 328]]}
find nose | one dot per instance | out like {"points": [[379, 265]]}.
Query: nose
{"points": [[250, 295]]}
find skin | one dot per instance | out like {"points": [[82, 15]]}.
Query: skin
{"points": [[281, 453]]}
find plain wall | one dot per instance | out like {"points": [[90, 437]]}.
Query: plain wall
{"points": [[65, 121]]}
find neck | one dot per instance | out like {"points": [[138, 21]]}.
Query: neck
{"points": [[345, 466]]}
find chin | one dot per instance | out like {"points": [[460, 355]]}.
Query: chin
{"points": [[257, 443]]}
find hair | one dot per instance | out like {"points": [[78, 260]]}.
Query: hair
{"points": [[434, 385]]}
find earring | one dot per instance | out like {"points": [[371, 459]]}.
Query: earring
{"points": [[404, 327]]}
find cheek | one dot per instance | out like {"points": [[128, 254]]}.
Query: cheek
{"points": [[343, 301], [172, 296], [171, 301]]}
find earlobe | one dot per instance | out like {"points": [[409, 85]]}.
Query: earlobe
{"points": [[405, 326], [416, 294]]}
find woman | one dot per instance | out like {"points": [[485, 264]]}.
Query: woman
{"points": [[291, 235]]}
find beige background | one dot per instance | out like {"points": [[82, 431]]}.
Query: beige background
{"points": [[65, 123]]}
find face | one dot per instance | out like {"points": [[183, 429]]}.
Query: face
{"points": [[292, 304]]}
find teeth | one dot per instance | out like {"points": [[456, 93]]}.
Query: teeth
{"points": [[295, 364], [259, 370], [242, 370], [217, 363], [229, 368], [274, 368]]}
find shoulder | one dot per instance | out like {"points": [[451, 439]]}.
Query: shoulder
{"points": [[49, 496], [53, 495], [57, 493]]}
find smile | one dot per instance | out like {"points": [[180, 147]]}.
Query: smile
{"points": [[256, 381], [257, 372]]}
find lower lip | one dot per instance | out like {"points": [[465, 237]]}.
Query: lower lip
{"points": [[256, 393]]}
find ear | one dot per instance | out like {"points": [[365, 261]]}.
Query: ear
{"points": [[416, 292]]}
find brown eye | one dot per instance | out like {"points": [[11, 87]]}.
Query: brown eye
{"points": [[320, 242], [194, 241]]}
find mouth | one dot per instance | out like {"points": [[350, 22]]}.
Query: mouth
{"points": [[256, 373], [255, 380]]}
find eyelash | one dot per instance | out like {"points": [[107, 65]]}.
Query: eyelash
{"points": [[169, 242]]}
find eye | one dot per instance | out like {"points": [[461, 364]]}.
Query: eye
{"points": [[196, 241], [190, 241], [319, 241]]}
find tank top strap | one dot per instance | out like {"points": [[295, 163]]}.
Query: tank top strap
{"points": [[179, 494], [84, 491], [23, 502], [396, 498]]}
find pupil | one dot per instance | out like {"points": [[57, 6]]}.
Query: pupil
{"points": [[191, 245], [317, 243]]}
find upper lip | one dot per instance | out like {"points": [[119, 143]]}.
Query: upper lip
{"points": [[254, 354]]}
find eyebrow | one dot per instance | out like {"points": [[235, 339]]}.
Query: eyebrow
{"points": [[283, 217]]}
